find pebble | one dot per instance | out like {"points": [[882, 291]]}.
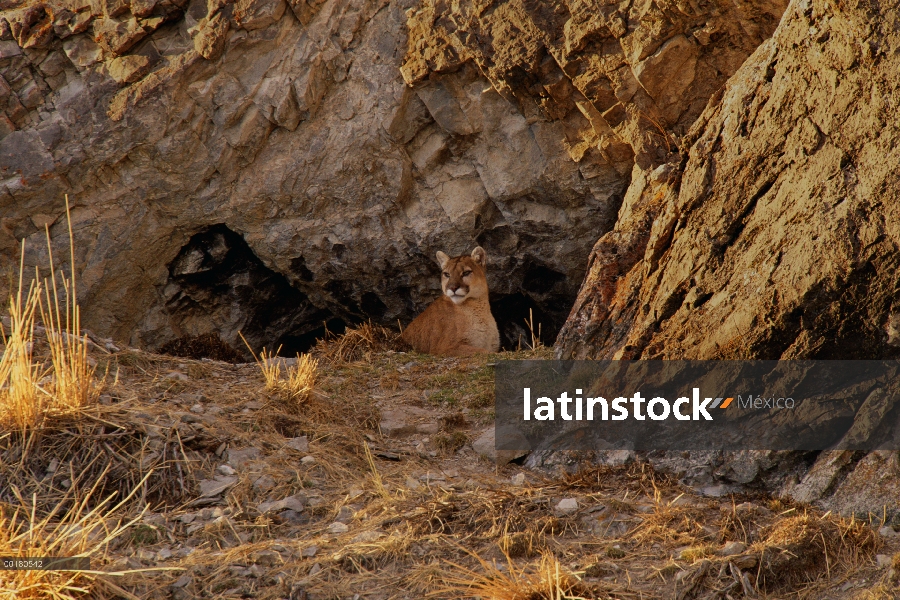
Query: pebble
{"points": [[883, 561], [264, 483], [197, 409], [309, 551], [519, 479], [315, 569], [344, 515], [888, 532], [308, 460], [413, 484], [567, 506], [225, 470], [732, 549], [300, 444], [337, 528]]}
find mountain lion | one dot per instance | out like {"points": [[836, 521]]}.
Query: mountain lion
{"points": [[459, 323]]}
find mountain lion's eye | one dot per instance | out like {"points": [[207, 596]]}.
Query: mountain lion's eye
{"points": [[446, 274], [466, 273]]}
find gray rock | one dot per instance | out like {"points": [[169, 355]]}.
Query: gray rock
{"points": [[731, 549], [485, 446], [214, 487], [567, 506], [300, 444], [239, 458], [263, 483], [338, 528], [295, 503]]}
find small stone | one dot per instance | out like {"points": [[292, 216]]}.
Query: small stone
{"points": [[225, 470], [214, 487], [883, 561], [888, 532], [518, 479], [428, 428], [300, 444], [292, 516], [163, 554], [567, 506], [177, 375], [315, 569], [367, 537], [238, 458], [309, 551], [308, 460], [264, 483], [183, 581], [268, 558], [413, 484], [338, 528], [295, 503], [188, 518], [197, 409], [731, 549], [344, 515]]}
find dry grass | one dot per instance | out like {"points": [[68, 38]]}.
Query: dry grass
{"points": [[70, 530], [21, 397], [548, 580], [29, 391], [300, 380], [357, 343]]}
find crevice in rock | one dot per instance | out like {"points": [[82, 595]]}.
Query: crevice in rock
{"points": [[221, 287], [511, 311]]}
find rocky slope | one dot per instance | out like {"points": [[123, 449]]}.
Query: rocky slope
{"points": [[776, 235], [264, 167]]}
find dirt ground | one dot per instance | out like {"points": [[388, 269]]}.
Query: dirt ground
{"points": [[370, 488]]}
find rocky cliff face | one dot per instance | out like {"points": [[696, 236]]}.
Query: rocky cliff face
{"points": [[775, 236], [264, 166]]}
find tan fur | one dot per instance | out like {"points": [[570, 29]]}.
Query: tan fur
{"points": [[462, 327]]}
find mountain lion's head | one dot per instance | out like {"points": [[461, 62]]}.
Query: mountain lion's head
{"points": [[463, 277]]}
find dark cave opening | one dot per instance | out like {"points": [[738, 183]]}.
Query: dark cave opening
{"points": [[217, 284], [512, 315]]}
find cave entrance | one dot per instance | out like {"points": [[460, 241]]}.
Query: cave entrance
{"points": [[512, 315], [218, 287]]}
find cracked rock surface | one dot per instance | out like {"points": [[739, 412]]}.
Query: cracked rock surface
{"points": [[266, 166]]}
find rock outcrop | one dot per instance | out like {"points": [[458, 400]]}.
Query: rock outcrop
{"points": [[263, 166], [777, 235]]}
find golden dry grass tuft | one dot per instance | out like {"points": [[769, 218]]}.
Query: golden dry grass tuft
{"points": [[21, 397], [298, 383], [357, 343], [546, 580], [30, 391], [71, 530], [795, 549]]}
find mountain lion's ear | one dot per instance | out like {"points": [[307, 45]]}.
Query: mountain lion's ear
{"points": [[442, 258], [479, 255]]}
